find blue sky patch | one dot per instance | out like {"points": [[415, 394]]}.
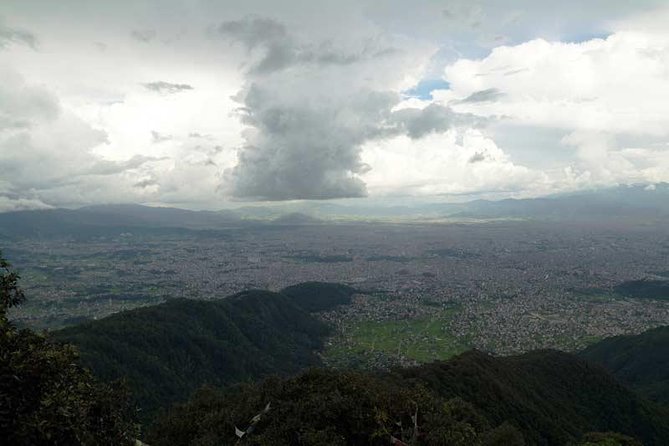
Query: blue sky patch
{"points": [[424, 88]]}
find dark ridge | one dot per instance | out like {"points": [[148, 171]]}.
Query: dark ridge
{"points": [[109, 220], [296, 218], [641, 361], [553, 397], [166, 351], [540, 398]]}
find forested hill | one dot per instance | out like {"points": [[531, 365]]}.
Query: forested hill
{"points": [[540, 398], [319, 296], [641, 361], [551, 396], [168, 350]]}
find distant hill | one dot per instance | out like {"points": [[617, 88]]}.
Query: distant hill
{"points": [[629, 202], [168, 350], [540, 398], [641, 361], [296, 218], [109, 219], [637, 203], [163, 216]]}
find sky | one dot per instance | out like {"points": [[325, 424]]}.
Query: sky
{"points": [[203, 104]]}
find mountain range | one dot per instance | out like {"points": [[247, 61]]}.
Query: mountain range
{"points": [[628, 203]]}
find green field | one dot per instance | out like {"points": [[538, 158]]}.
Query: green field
{"points": [[421, 340]]}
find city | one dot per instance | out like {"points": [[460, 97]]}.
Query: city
{"points": [[508, 286]]}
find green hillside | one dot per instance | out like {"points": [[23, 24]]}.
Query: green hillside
{"points": [[168, 350], [541, 398], [552, 396], [641, 361]]}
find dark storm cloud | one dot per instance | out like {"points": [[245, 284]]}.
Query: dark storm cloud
{"points": [[307, 151], [10, 35], [487, 95], [281, 50], [434, 118], [313, 152], [307, 131], [166, 87]]}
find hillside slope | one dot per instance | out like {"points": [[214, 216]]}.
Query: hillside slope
{"points": [[553, 397], [541, 398], [109, 220], [641, 361], [168, 350]]}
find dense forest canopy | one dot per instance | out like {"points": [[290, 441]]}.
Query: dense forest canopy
{"points": [[542, 398], [46, 397]]}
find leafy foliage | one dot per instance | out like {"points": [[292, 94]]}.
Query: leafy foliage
{"points": [[10, 293], [552, 397], [324, 407], [608, 439], [641, 361], [542, 398], [45, 396]]}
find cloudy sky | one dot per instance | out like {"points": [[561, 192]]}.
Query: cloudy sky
{"points": [[203, 103]]}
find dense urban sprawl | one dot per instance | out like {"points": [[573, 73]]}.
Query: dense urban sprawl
{"points": [[508, 286]]}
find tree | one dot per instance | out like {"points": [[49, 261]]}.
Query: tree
{"points": [[608, 439], [46, 397], [10, 293]]}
